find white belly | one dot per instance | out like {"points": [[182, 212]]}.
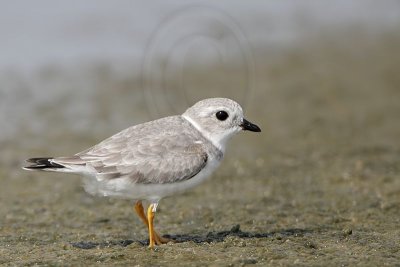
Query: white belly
{"points": [[123, 187]]}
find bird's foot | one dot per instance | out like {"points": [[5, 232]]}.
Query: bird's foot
{"points": [[159, 240]]}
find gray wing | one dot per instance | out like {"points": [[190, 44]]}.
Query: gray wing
{"points": [[161, 151]]}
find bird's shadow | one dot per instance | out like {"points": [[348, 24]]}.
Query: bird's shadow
{"points": [[210, 237]]}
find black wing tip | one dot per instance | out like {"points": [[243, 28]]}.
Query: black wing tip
{"points": [[39, 160], [42, 163]]}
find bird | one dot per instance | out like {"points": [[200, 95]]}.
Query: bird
{"points": [[155, 159]]}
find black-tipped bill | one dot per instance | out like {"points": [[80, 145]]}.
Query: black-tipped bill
{"points": [[248, 126]]}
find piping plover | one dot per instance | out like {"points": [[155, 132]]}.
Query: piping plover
{"points": [[156, 159]]}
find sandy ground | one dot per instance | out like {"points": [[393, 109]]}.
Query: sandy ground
{"points": [[319, 186]]}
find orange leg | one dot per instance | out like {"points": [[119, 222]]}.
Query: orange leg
{"points": [[150, 218], [140, 212]]}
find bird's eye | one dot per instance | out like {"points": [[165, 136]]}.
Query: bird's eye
{"points": [[222, 115]]}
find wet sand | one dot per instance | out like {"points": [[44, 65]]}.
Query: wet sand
{"points": [[319, 186]]}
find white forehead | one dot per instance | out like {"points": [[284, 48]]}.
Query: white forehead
{"points": [[206, 106]]}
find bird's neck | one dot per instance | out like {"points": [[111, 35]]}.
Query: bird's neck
{"points": [[218, 140]]}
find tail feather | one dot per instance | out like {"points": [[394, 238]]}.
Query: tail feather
{"points": [[42, 164]]}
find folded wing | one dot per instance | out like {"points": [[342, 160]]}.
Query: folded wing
{"points": [[153, 153]]}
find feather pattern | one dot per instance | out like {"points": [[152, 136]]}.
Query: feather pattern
{"points": [[148, 153]]}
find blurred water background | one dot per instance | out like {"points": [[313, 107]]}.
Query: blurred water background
{"points": [[128, 62]]}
